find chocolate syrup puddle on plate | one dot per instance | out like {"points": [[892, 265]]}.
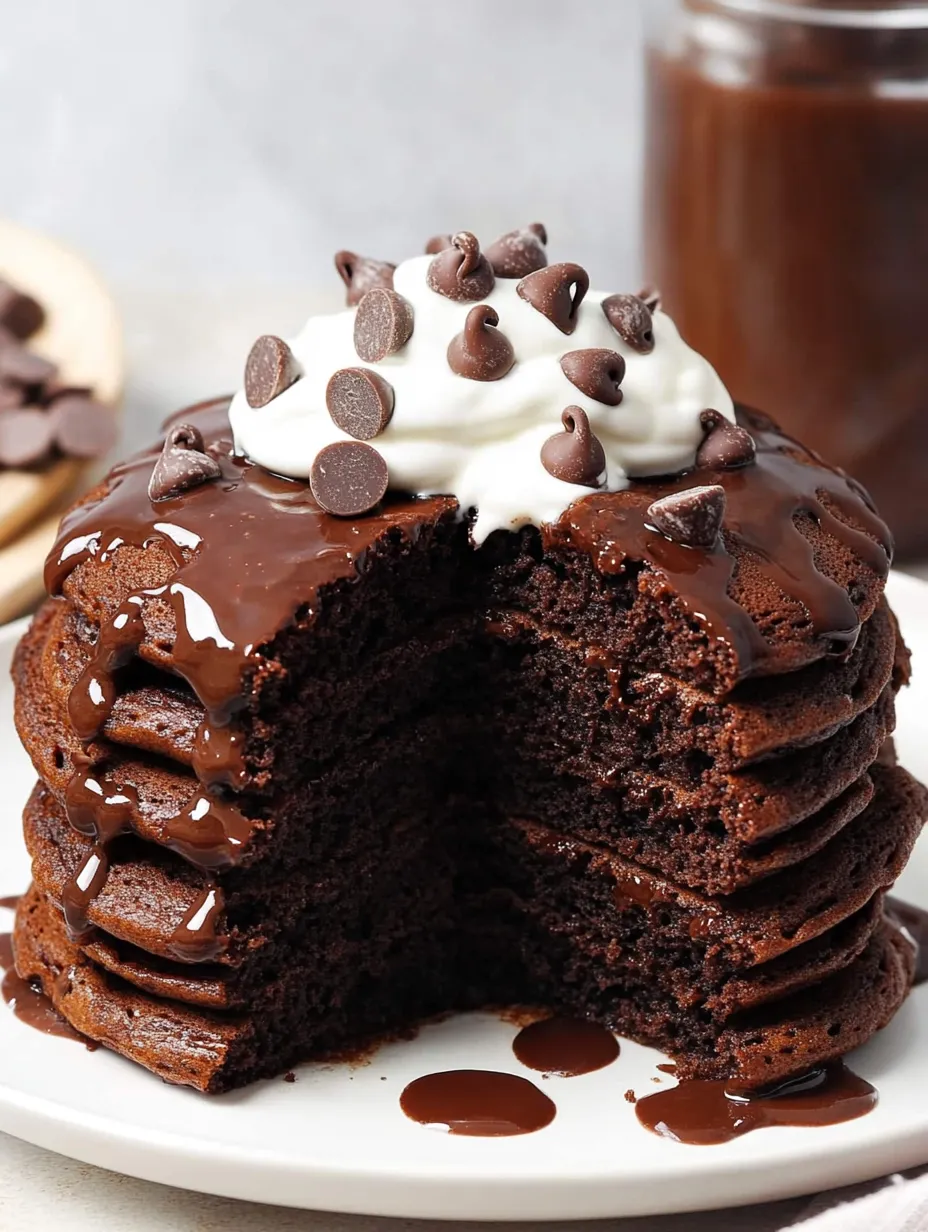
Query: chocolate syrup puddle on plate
{"points": [[701, 1112], [477, 1103], [29, 1004], [565, 1046], [913, 921]]}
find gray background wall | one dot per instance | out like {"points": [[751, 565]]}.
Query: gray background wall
{"points": [[211, 155]]}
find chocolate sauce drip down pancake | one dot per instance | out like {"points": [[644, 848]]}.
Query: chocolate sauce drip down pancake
{"points": [[309, 775]]}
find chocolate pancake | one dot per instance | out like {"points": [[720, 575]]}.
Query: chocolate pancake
{"points": [[308, 778]]}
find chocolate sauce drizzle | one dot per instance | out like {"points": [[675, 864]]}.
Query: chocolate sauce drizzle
{"points": [[704, 1112], [763, 503], [477, 1103]]}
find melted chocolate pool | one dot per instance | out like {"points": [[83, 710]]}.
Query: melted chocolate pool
{"points": [[565, 1046], [702, 1112], [477, 1103], [28, 1004]]}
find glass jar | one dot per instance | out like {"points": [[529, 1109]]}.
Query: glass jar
{"points": [[786, 221]]}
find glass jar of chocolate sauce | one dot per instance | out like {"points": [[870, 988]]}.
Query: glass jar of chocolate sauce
{"points": [[786, 221]]}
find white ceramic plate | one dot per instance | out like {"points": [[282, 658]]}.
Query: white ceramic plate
{"points": [[337, 1140]]}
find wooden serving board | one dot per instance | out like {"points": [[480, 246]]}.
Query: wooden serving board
{"points": [[82, 336]]}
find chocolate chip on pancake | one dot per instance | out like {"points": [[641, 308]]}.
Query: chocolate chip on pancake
{"points": [[692, 517], [726, 445], [182, 464]]}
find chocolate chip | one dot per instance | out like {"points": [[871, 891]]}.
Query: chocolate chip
{"points": [[183, 464], [630, 317], [651, 298], [596, 372], [18, 364], [12, 395], [360, 402], [362, 274], [557, 293], [725, 445], [438, 243], [575, 455], [382, 324], [55, 389], [26, 437], [520, 252], [348, 478], [692, 517], [480, 351], [461, 272], [271, 368], [83, 428], [19, 313]]}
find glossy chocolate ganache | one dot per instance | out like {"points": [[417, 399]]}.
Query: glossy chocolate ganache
{"points": [[579, 623]]}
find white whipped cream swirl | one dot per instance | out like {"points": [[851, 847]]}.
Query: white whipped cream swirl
{"points": [[480, 441]]}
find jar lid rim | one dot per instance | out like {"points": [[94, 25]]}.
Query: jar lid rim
{"points": [[877, 18]]}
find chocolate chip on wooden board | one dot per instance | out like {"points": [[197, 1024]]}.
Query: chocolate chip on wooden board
{"points": [[348, 478], [692, 517], [82, 428], [359, 401], [24, 366], [19, 313], [26, 437], [182, 464], [271, 368]]}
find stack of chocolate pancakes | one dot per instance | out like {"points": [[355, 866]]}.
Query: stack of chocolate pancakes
{"points": [[307, 779]]}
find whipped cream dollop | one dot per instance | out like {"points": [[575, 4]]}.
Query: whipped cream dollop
{"points": [[481, 440]]}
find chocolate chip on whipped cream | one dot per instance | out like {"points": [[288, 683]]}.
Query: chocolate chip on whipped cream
{"points": [[575, 455], [630, 317], [481, 352], [348, 478], [269, 370], [596, 372], [360, 402], [362, 274], [520, 252], [557, 293], [461, 272], [465, 405]]}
